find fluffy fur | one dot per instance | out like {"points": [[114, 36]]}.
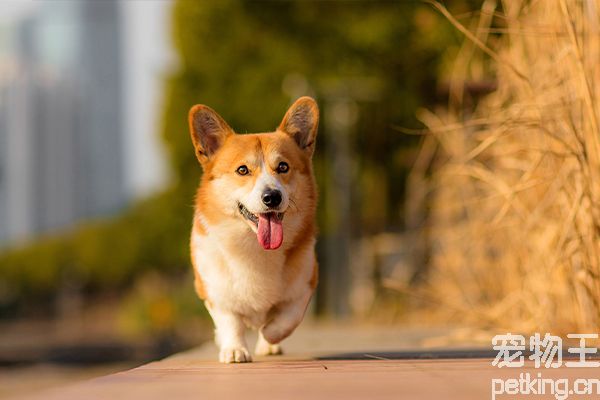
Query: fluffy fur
{"points": [[242, 284]]}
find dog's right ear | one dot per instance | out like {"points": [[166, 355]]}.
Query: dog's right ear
{"points": [[208, 131]]}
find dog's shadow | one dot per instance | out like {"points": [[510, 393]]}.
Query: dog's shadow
{"points": [[413, 355], [445, 354]]}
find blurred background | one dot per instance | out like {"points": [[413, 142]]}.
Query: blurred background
{"points": [[97, 172]]}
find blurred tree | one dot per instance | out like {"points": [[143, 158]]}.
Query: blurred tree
{"points": [[236, 56]]}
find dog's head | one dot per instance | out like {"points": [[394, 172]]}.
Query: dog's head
{"points": [[257, 177]]}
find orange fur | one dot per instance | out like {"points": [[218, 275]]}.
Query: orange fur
{"points": [[224, 241], [236, 148]]}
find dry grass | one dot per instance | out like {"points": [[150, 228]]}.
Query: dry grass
{"points": [[514, 208]]}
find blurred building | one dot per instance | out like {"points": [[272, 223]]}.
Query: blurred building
{"points": [[61, 141], [80, 100]]}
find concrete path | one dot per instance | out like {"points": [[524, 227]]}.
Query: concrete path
{"points": [[322, 362]]}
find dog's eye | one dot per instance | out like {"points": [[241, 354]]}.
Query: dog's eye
{"points": [[283, 167], [242, 170]]}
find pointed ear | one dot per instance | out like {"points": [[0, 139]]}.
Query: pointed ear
{"points": [[208, 131], [301, 122]]}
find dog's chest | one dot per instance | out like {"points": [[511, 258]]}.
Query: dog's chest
{"points": [[240, 276]]}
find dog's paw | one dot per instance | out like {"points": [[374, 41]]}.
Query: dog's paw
{"points": [[264, 348], [234, 355], [275, 333]]}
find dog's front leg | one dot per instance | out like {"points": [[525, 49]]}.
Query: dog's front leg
{"points": [[286, 318], [229, 336]]}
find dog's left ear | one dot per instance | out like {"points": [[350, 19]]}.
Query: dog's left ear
{"points": [[301, 122]]}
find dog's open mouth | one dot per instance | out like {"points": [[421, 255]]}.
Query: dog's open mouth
{"points": [[268, 227]]}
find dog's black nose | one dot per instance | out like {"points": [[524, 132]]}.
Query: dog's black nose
{"points": [[271, 198]]}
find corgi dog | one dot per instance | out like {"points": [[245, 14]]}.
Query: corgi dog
{"points": [[254, 232]]}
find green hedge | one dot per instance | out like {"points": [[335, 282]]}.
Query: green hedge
{"points": [[102, 255]]}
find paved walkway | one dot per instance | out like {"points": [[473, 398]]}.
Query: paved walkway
{"points": [[321, 363]]}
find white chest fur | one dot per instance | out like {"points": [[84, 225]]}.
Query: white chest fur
{"points": [[238, 275]]}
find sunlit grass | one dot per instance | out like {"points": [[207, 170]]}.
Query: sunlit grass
{"points": [[515, 196]]}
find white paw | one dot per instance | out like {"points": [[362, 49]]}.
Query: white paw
{"points": [[234, 355], [263, 348]]}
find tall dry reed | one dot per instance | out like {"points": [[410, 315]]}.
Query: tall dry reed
{"points": [[514, 207]]}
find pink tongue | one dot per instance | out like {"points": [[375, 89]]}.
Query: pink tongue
{"points": [[270, 231]]}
